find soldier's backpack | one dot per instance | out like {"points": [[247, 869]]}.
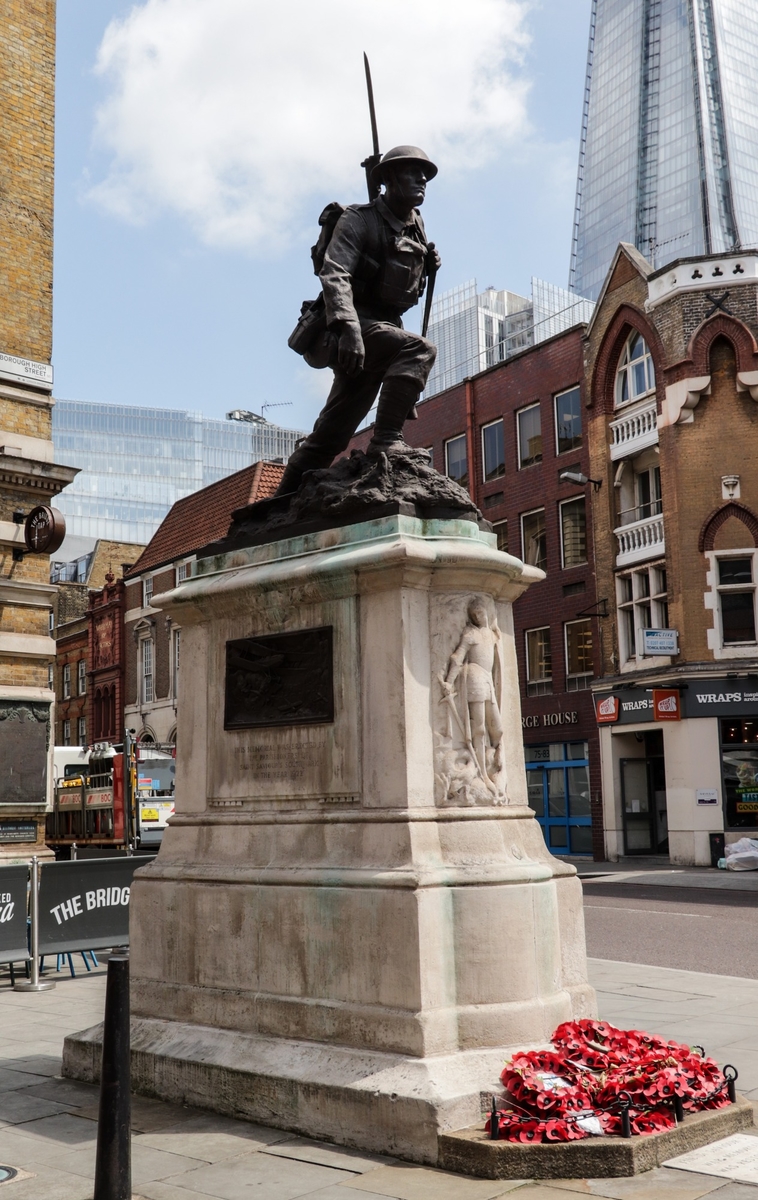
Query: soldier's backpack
{"points": [[310, 337]]}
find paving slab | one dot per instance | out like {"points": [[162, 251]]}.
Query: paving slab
{"points": [[328, 1155], [404, 1182], [660, 1184], [261, 1175]]}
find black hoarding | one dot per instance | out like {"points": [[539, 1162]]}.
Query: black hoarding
{"points": [[85, 905], [13, 891]]}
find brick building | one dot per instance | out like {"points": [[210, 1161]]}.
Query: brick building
{"points": [[88, 630], [28, 474], [508, 434], [152, 643], [671, 359]]}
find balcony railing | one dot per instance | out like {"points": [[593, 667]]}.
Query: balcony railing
{"points": [[640, 540], [634, 431]]}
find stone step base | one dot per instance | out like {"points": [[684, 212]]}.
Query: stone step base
{"points": [[374, 1101]]}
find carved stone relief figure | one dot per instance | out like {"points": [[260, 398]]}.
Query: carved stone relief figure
{"points": [[471, 768]]}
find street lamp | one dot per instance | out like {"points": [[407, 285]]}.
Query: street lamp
{"points": [[576, 477]]}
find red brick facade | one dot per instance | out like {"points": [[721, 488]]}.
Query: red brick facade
{"points": [[106, 658], [536, 376]]}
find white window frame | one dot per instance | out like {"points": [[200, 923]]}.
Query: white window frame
{"points": [[522, 517], [556, 398], [147, 678], [448, 443], [544, 685], [624, 367], [183, 570], [656, 600], [81, 677], [51, 677], [66, 681], [81, 731], [519, 413], [67, 732], [561, 506], [581, 680], [735, 649], [147, 591], [498, 525], [499, 421]]}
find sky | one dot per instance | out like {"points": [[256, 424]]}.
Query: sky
{"points": [[198, 140]]}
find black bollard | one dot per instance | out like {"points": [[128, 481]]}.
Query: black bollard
{"points": [[113, 1165], [626, 1124], [678, 1109]]}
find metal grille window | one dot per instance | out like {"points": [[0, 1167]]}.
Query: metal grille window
{"points": [[534, 538], [636, 374], [529, 436], [147, 591], [573, 532], [568, 421], [642, 603], [82, 677], [146, 647], [578, 636], [67, 681], [81, 731], [456, 461], [539, 662], [737, 600], [500, 528], [493, 450]]}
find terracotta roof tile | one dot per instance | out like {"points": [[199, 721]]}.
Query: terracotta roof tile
{"points": [[205, 516]]}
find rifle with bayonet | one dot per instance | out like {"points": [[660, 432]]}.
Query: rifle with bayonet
{"points": [[372, 161]]}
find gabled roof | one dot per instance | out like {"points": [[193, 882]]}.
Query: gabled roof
{"points": [[205, 516], [627, 262]]}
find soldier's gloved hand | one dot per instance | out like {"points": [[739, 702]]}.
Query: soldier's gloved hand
{"points": [[433, 258], [350, 352]]}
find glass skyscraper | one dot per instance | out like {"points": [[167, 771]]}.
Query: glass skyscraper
{"points": [[474, 330], [135, 462], [669, 147]]}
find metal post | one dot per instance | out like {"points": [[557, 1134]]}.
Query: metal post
{"points": [[113, 1164], [494, 1122], [678, 1109], [34, 984]]}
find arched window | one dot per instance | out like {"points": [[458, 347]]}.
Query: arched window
{"points": [[635, 376]]}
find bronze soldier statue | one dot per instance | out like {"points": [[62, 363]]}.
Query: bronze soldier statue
{"points": [[375, 268]]}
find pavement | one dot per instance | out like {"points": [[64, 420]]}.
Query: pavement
{"points": [[48, 1124]]}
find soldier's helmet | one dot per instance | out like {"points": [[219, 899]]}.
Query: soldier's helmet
{"points": [[404, 154]]}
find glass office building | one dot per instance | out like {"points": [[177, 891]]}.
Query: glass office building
{"points": [[475, 330], [669, 145], [136, 462]]}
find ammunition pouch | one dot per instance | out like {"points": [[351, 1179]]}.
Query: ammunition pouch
{"points": [[311, 338]]}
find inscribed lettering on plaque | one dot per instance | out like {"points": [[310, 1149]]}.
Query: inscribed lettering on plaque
{"points": [[280, 679]]}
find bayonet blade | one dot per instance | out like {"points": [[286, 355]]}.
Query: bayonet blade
{"points": [[371, 109]]}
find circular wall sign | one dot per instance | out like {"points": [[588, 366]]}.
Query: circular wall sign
{"points": [[44, 530]]}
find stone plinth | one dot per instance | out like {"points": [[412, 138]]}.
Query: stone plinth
{"points": [[350, 923]]}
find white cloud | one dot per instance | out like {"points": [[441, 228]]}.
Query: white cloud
{"points": [[231, 113]]}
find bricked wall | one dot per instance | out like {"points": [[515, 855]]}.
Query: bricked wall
{"points": [[27, 94], [720, 440], [536, 375]]}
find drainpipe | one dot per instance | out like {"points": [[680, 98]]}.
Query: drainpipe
{"points": [[472, 473]]}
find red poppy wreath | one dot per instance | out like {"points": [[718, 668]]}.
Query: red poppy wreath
{"points": [[593, 1074]]}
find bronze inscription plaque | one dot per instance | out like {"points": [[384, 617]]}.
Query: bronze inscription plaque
{"points": [[279, 679]]}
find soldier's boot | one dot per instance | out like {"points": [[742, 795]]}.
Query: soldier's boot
{"points": [[396, 399]]}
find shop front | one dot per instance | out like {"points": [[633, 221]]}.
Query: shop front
{"points": [[562, 759], [679, 768]]}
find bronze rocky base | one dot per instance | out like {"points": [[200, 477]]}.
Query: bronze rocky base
{"points": [[353, 489]]}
